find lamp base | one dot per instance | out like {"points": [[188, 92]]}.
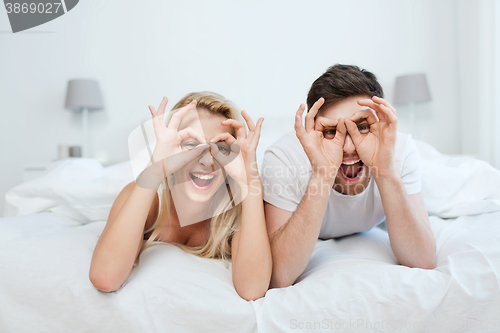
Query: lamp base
{"points": [[85, 132]]}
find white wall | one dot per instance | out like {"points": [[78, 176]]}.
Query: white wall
{"points": [[478, 78], [496, 72], [262, 55]]}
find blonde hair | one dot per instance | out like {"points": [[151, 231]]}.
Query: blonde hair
{"points": [[226, 215]]}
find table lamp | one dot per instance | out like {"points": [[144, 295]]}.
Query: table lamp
{"points": [[411, 89], [84, 95]]}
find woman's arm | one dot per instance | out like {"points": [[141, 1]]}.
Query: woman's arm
{"points": [[250, 248], [251, 251], [121, 239]]}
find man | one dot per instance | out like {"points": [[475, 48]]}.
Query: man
{"points": [[344, 171]]}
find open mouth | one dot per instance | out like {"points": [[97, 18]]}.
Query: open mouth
{"points": [[201, 181], [352, 170]]}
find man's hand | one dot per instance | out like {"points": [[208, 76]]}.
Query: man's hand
{"points": [[376, 147], [325, 155]]}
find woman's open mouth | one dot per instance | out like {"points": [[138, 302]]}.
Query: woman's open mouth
{"points": [[201, 181], [352, 170]]}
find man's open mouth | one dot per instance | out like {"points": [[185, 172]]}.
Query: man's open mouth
{"points": [[201, 180], [352, 170]]}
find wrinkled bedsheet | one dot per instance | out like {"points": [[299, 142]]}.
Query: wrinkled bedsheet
{"points": [[352, 284]]}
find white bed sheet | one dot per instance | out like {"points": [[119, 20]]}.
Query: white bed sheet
{"points": [[44, 285], [352, 284]]}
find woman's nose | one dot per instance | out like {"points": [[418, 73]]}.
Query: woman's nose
{"points": [[349, 147], [206, 158]]}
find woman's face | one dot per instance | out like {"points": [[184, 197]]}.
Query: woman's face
{"points": [[200, 178]]}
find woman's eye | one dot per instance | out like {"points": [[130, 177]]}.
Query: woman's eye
{"points": [[190, 145], [329, 134], [223, 147]]}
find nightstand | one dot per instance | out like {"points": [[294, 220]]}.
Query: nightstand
{"points": [[32, 171]]}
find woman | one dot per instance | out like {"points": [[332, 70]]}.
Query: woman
{"points": [[210, 203]]}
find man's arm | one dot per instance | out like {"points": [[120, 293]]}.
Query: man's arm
{"points": [[411, 237], [294, 235], [410, 234]]}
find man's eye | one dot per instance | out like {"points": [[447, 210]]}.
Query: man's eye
{"points": [[364, 128], [329, 134]]}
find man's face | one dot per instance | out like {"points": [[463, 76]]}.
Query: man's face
{"points": [[353, 176]]}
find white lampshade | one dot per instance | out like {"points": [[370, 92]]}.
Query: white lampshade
{"points": [[411, 88], [83, 94]]}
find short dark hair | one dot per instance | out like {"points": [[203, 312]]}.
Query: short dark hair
{"points": [[343, 81]]}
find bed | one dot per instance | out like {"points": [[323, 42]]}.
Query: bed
{"points": [[352, 284]]}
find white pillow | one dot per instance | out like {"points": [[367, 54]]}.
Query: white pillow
{"points": [[457, 185], [79, 188]]}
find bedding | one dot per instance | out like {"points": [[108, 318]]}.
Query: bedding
{"points": [[352, 284]]}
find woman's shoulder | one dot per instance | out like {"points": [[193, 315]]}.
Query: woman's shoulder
{"points": [[122, 198]]}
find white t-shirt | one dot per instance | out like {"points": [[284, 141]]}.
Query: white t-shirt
{"points": [[286, 172]]}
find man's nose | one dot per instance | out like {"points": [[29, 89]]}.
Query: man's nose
{"points": [[206, 158], [349, 147]]}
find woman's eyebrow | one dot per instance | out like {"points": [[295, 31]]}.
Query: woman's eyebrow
{"points": [[191, 138]]}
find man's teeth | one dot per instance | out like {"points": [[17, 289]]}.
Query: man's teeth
{"points": [[351, 162], [199, 175]]}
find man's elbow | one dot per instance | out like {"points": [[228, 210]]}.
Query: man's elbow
{"points": [[424, 263], [280, 281], [428, 264], [428, 261]]}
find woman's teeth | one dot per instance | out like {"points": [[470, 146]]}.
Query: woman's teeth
{"points": [[351, 162], [201, 176]]}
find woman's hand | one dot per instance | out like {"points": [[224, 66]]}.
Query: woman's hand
{"points": [[168, 156], [325, 155], [239, 157], [375, 148]]}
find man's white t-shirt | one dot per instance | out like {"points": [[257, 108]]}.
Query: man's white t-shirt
{"points": [[286, 172]]}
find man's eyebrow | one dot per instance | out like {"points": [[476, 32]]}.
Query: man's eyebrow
{"points": [[359, 121]]}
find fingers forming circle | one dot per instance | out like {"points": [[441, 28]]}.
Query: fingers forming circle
{"points": [[163, 104], [189, 132], [240, 128], [368, 114], [223, 137], [176, 119], [312, 114], [249, 121]]}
